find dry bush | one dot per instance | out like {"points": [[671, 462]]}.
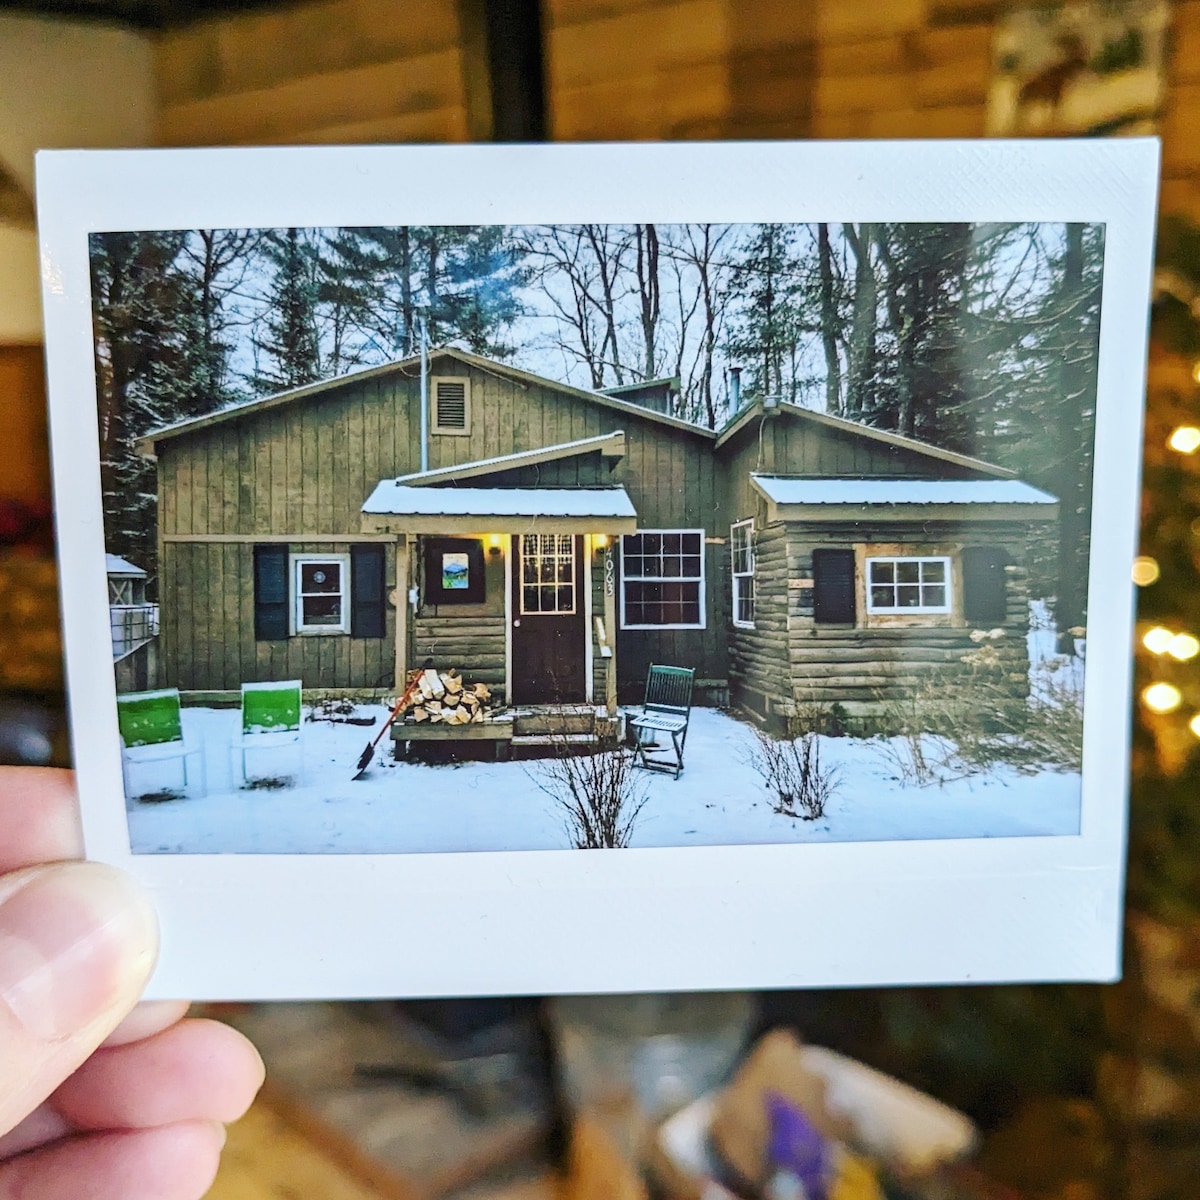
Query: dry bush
{"points": [[598, 794], [792, 769]]}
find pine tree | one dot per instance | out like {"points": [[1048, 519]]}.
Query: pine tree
{"points": [[289, 340]]}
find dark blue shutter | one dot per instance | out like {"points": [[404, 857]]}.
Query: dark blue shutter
{"points": [[368, 616], [985, 590], [833, 586], [270, 593]]}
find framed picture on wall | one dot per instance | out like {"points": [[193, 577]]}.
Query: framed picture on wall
{"points": [[454, 571]]}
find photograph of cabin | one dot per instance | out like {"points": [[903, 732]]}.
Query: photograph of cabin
{"points": [[841, 505], [790, 556]]}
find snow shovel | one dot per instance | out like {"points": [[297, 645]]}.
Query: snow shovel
{"points": [[364, 759]]}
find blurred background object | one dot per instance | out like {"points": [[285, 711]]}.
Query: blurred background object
{"points": [[1080, 1093]]}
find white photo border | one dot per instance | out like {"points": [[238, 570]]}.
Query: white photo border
{"points": [[846, 914]]}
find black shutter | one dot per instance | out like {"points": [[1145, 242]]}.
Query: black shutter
{"points": [[270, 593], [368, 616], [985, 591], [833, 586]]}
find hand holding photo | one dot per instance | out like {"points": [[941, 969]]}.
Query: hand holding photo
{"points": [[750, 536]]}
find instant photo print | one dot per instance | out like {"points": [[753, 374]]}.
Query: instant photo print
{"points": [[603, 568]]}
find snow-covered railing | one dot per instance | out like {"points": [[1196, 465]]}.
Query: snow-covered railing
{"points": [[132, 626]]}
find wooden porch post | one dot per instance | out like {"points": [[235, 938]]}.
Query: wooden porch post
{"points": [[402, 586], [610, 626]]}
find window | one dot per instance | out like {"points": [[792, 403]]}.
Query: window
{"points": [[321, 593], [908, 585], [547, 573], [450, 400], [741, 550], [662, 579]]}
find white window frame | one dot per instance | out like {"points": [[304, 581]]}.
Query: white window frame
{"points": [[911, 610], [450, 430], [520, 567], [298, 627], [739, 576], [626, 578]]}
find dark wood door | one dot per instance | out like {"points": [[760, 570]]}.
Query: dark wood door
{"points": [[548, 632]]}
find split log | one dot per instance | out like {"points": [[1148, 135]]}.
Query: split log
{"points": [[454, 685], [420, 713]]}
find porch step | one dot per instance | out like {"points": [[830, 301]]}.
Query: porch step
{"points": [[555, 739], [554, 720]]}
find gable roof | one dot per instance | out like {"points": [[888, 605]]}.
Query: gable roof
{"points": [[610, 445], [145, 445], [739, 421]]}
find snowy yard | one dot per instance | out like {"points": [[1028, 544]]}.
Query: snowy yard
{"points": [[407, 807]]}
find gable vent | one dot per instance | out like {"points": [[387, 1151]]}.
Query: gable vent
{"points": [[450, 404]]}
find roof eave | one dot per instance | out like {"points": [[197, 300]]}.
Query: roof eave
{"points": [[485, 523], [887, 513]]}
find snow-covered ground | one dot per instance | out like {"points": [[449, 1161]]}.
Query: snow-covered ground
{"points": [[407, 807]]}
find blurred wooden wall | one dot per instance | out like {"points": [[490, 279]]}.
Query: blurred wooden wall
{"points": [[416, 70], [334, 71]]}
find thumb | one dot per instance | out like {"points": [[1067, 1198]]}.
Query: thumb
{"points": [[77, 944]]}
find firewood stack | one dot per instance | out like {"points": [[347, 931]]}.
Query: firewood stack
{"points": [[442, 697]]}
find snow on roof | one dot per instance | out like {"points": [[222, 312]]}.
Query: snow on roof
{"points": [[485, 466], [794, 490], [392, 498], [114, 565]]}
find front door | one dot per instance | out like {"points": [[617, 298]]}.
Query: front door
{"points": [[548, 630]]}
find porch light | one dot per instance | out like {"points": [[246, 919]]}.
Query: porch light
{"points": [[1185, 439], [493, 543], [1158, 640], [599, 540], [1162, 697]]}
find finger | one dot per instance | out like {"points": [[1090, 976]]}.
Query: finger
{"points": [[77, 944], [39, 817], [199, 1070], [150, 1017], [173, 1162], [43, 1125]]}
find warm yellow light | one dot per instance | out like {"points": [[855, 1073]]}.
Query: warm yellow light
{"points": [[1194, 724], [1145, 570], [1185, 439], [1162, 697], [1158, 640], [599, 540], [494, 541], [1183, 646], [1196, 370]]}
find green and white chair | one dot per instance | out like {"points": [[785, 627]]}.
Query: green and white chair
{"points": [[152, 732], [272, 720]]}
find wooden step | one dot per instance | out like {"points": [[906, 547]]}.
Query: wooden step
{"points": [[555, 739], [548, 721]]}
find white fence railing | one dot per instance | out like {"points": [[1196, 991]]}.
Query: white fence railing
{"points": [[132, 626]]}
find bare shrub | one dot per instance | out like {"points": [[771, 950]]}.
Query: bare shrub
{"points": [[791, 768], [598, 794]]}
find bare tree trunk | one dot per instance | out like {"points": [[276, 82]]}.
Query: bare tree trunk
{"points": [[829, 322], [860, 355], [610, 349], [646, 239], [406, 294]]}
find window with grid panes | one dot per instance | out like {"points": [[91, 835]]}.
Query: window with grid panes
{"points": [[662, 579], [321, 593], [547, 573], [908, 585], [741, 552]]}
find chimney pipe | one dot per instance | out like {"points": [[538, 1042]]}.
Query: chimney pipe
{"points": [[735, 388]]}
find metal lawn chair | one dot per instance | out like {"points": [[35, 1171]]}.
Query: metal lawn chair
{"points": [[666, 710], [152, 731], [272, 719]]}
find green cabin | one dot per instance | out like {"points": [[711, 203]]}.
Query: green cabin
{"points": [[558, 541]]}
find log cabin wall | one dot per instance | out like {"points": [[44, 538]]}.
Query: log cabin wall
{"points": [[868, 669]]}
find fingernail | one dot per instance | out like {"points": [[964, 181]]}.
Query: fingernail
{"points": [[75, 940]]}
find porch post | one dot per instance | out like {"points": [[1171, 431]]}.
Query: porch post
{"points": [[610, 626], [402, 585]]}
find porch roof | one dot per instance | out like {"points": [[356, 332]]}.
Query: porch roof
{"points": [[808, 498], [395, 507]]}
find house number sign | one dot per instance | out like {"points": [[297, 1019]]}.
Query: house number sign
{"points": [[610, 573]]}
